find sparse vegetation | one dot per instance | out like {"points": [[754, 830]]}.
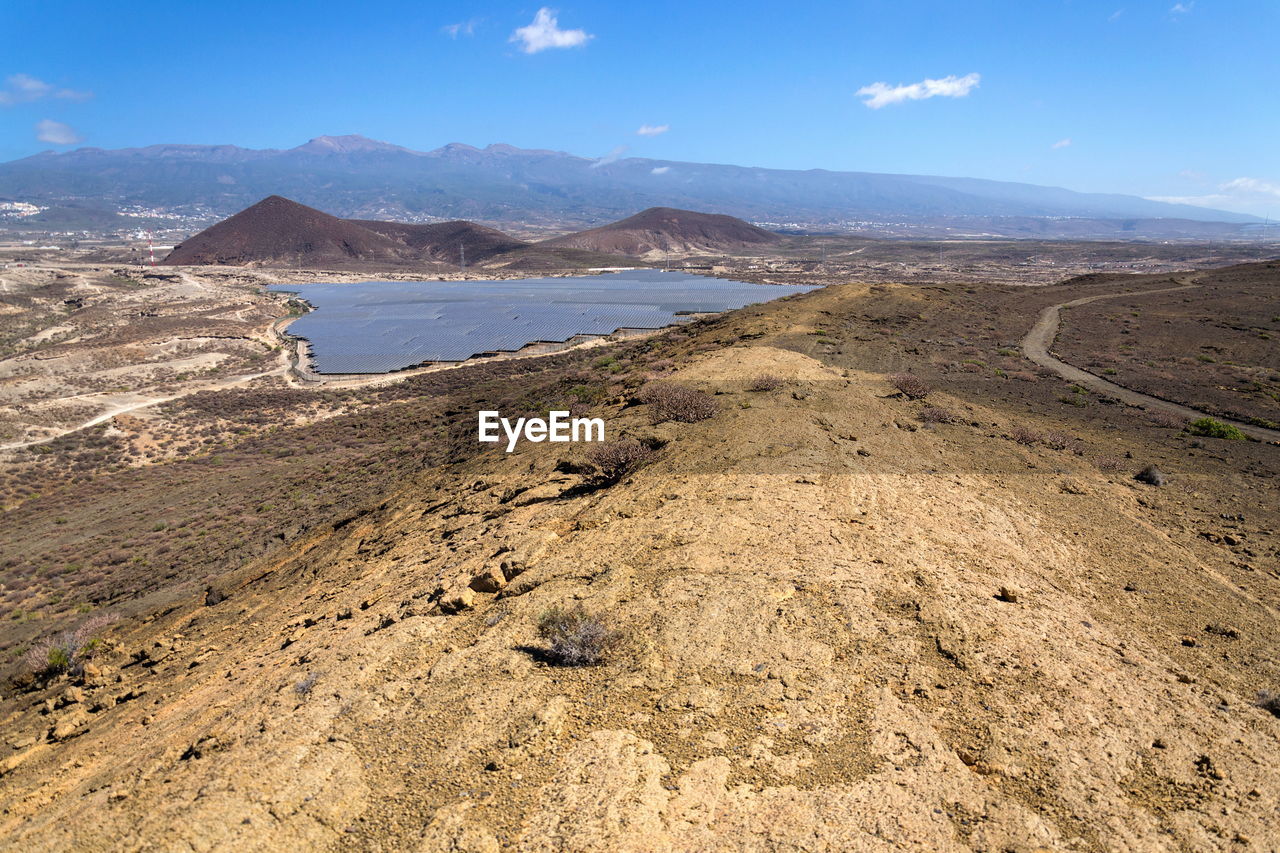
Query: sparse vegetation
{"points": [[1166, 420], [1026, 436], [1211, 428], [935, 415], [576, 637], [65, 652], [1109, 464], [910, 386], [670, 401], [614, 460], [1269, 700], [765, 382]]}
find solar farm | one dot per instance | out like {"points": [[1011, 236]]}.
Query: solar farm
{"points": [[381, 326]]}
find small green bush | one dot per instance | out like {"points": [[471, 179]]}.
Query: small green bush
{"points": [[1215, 429]]}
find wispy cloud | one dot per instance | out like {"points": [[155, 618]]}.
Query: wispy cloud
{"points": [[545, 33], [23, 88], [1253, 185], [653, 129], [462, 28], [1182, 8], [56, 133], [1061, 143], [659, 170], [1115, 16], [1257, 195], [882, 94], [612, 157]]}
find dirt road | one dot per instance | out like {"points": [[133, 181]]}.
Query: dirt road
{"points": [[1042, 335]]}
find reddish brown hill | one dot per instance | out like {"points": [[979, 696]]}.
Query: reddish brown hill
{"points": [[667, 229], [277, 231], [445, 241]]}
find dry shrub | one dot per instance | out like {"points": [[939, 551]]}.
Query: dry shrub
{"points": [[910, 386], [935, 415], [576, 637], [65, 652], [1166, 420], [616, 459], [765, 382], [1269, 700], [1022, 375], [1026, 436], [1109, 464], [669, 401], [1057, 440]]}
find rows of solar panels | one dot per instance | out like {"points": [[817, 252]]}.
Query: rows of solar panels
{"points": [[381, 326]]}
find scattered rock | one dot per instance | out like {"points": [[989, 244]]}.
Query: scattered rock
{"points": [[1222, 631], [862, 451], [1151, 475], [1189, 641], [491, 579], [1008, 594], [213, 596], [458, 599]]}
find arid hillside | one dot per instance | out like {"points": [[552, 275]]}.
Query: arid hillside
{"points": [[859, 575], [658, 230]]}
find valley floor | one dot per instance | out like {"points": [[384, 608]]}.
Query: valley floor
{"points": [[852, 620]]}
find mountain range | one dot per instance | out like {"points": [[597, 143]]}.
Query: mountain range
{"points": [[363, 178]]}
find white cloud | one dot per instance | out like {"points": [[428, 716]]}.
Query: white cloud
{"points": [[1252, 185], [882, 94], [23, 88], [545, 33], [653, 129], [1182, 8], [1245, 195], [56, 133], [462, 28], [659, 170], [1061, 143], [1115, 16], [612, 157]]}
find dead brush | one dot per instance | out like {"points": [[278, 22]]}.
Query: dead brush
{"points": [[910, 386], [669, 401], [577, 637], [65, 652], [765, 382], [1269, 700], [1026, 436], [1056, 440], [935, 415], [614, 460], [1166, 420], [1109, 464]]}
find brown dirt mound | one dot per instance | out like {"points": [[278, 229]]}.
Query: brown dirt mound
{"points": [[446, 241], [279, 231], [667, 229]]}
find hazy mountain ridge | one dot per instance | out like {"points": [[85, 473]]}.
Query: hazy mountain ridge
{"points": [[354, 176]]}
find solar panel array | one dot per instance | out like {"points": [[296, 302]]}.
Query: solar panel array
{"points": [[381, 326]]}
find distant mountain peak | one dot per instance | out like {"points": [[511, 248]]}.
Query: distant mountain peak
{"points": [[351, 143]]}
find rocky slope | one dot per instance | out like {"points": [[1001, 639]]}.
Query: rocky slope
{"points": [[845, 630], [658, 231]]}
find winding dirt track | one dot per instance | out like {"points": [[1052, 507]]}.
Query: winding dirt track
{"points": [[1042, 335]]}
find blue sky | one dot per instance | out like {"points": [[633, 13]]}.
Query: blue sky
{"points": [[1160, 99]]}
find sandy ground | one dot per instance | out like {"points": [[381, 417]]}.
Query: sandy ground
{"points": [[845, 631]]}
